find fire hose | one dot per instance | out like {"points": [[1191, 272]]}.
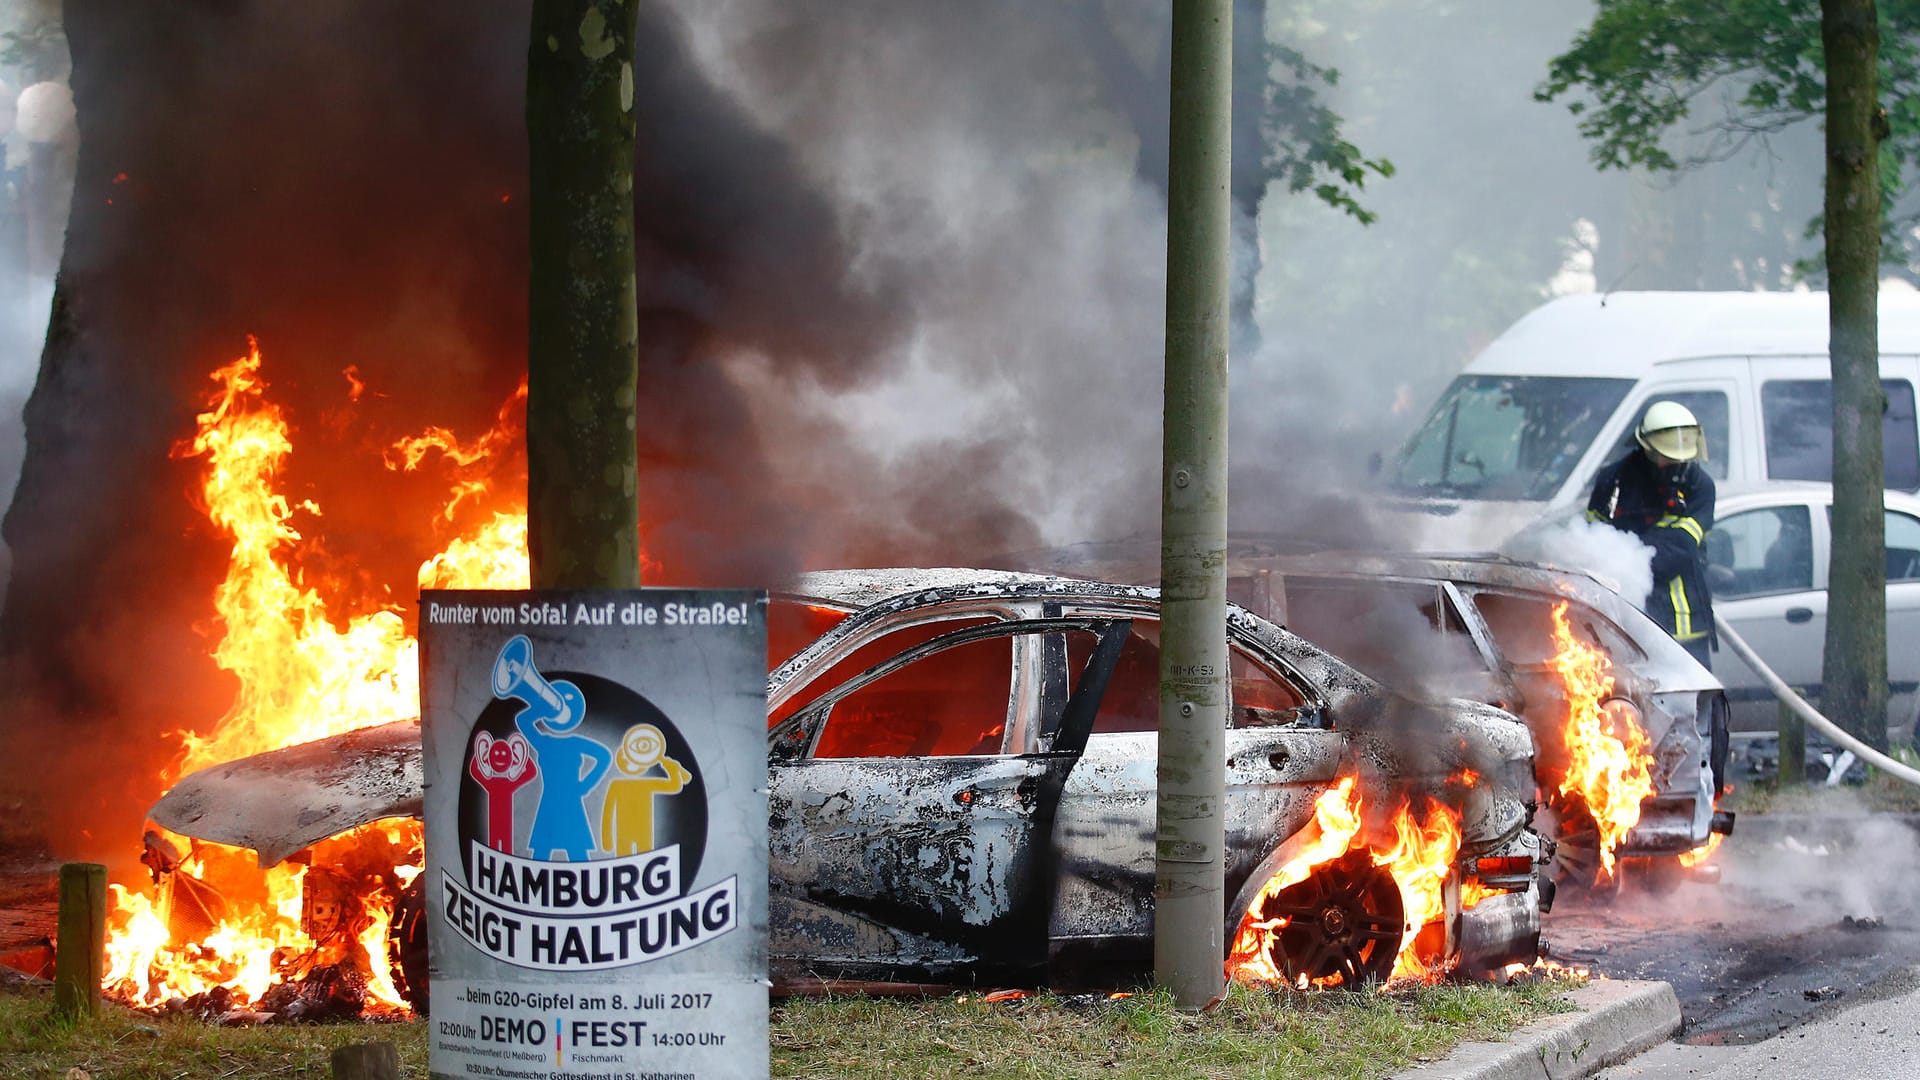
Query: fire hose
{"points": [[1808, 713]]}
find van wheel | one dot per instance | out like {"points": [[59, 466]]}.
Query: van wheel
{"points": [[1340, 927]]}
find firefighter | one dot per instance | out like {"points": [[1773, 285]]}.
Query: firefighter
{"points": [[1660, 494]]}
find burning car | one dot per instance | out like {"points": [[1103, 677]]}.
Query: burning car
{"points": [[1631, 730], [1018, 714], [961, 775]]}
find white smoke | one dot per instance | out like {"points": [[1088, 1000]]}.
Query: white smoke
{"points": [[1617, 558]]}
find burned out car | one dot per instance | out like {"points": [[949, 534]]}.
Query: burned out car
{"points": [[961, 768], [962, 773]]}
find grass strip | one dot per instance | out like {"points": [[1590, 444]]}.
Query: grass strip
{"points": [[1338, 1036], [1252, 1033], [125, 1045]]}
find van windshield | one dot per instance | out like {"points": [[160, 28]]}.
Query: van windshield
{"points": [[1505, 436]]}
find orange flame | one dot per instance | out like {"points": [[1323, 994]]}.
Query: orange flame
{"points": [[249, 934], [1550, 969], [302, 676], [1609, 768], [1473, 891], [1691, 859], [1421, 861], [1335, 827], [304, 673], [1420, 855]]}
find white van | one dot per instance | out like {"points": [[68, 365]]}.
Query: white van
{"points": [[1520, 434]]}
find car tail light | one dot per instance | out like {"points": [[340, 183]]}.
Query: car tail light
{"points": [[1501, 866]]}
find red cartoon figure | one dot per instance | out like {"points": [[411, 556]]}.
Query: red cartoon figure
{"points": [[502, 766]]}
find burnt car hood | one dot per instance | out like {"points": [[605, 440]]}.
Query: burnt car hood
{"points": [[283, 800]]}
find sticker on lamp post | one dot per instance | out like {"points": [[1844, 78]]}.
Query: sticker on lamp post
{"points": [[596, 841]]}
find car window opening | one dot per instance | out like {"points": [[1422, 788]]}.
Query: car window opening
{"points": [[1401, 633], [1798, 416], [1707, 406], [1522, 629], [868, 656], [1132, 699], [792, 625], [953, 702], [1756, 552]]}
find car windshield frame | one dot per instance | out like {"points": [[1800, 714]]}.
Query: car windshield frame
{"points": [[1523, 435]]}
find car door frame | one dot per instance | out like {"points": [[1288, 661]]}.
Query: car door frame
{"points": [[1273, 775], [950, 855]]}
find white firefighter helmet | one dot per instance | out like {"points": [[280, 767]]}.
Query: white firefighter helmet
{"points": [[1670, 430]]}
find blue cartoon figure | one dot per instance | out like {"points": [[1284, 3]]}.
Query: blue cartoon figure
{"points": [[570, 765]]}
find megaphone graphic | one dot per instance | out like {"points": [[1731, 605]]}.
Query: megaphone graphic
{"points": [[558, 705]]}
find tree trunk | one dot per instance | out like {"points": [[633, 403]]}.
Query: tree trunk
{"points": [[1189, 945], [582, 330], [1855, 668]]}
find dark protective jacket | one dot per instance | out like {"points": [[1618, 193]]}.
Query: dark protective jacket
{"points": [[1671, 511]]}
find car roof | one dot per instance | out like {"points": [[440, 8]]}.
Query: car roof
{"points": [[1788, 492], [877, 593], [866, 587], [1627, 334]]}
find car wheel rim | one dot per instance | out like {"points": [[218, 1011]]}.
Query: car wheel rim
{"points": [[1343, 924]]}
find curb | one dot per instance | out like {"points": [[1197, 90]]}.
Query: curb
{"points": [[1618, 1018]]}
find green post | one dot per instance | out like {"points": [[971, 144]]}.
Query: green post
{"points": [[1793, 748], [79, 958], [1189, 947], [583, 504]]}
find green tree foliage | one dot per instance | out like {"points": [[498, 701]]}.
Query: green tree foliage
{"points": [[1305, 149], [1735, 72]]}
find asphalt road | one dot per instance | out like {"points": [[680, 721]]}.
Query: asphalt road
{"points": [[1810, 918], [1877, 1039]]}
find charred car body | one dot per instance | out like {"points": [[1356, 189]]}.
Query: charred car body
{"points": [[1031, 704], [961, 774]]}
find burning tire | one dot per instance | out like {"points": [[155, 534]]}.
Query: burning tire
{"points": [[407, 944], [1345, 920]]}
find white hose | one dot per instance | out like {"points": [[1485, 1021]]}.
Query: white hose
{"points": [[1807, 712]]}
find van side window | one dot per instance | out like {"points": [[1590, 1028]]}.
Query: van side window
{"points": [[1798, 414], [1707, 406]]}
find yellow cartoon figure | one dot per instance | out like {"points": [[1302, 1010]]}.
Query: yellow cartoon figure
{"points": [[626, 820]]}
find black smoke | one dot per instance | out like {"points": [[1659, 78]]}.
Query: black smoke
{"points": [[899, 277]]}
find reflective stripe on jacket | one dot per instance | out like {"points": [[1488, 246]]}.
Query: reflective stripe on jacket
{"points": [[1671, 511]]}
